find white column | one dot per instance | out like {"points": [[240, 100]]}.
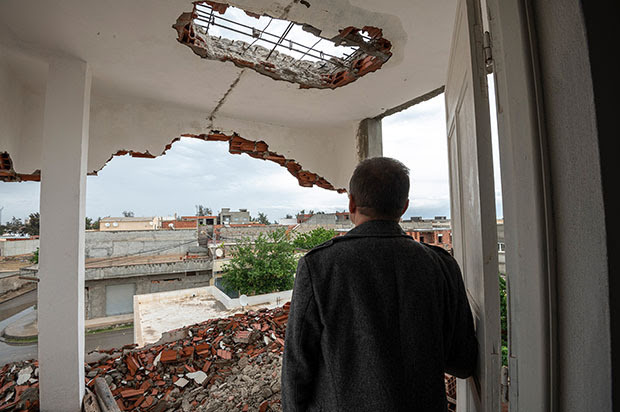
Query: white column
{"points": [[369, 139], [61, 267]]}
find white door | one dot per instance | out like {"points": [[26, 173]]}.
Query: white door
{"points": [[473, 201]]}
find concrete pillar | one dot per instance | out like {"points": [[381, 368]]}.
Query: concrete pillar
{"points": [[369, 139], [63, 184]]}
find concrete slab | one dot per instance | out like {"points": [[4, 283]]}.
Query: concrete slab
{"points": [[158, 317], [26, 327], [157, 313]]}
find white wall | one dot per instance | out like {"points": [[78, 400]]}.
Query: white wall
{"points": [[122, 123], [10, 107], [18, 247], [582, 276], [148, 126]]}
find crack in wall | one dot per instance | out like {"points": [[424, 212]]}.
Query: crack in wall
{"points": [[223, 99]]}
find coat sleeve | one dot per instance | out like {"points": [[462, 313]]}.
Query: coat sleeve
{"points": [[302, 352], [462, 354]]}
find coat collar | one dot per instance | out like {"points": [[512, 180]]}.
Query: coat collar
{"points": [[377, 228]]}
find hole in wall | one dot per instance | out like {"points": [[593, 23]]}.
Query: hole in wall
{"points": [[256, 149], [236, 145]]}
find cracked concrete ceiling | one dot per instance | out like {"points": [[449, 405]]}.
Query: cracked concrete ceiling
{"points": [[132, 50], [149, 89]]}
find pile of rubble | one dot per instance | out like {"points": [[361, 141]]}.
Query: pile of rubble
{"points": [[230, 364], [217, 365], [199, 370], [19, 386]]}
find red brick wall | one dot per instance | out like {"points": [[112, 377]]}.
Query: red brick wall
{"points": [[432, 237], [179, 224]]}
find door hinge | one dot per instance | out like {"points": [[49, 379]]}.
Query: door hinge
{"points": [[505, 384], [488, 52]]}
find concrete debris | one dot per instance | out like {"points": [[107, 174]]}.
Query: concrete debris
{"points": [[24, 375], [181, 383], [18, 390], [157, 359], [198, 377]]}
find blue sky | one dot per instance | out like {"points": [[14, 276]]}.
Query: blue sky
{"points": [[196, 172]]}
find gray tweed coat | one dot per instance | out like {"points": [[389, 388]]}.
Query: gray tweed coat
{"points": [[376, 319]]}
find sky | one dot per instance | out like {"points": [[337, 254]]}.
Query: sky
{"points": [[196, 172]]}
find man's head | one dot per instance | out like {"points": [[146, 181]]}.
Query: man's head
{"points": [[378, 190]]}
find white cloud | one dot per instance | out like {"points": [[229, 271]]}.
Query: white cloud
{"points": [[417, 137]]}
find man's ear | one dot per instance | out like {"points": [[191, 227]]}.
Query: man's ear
{"points": [[352, 205], [405, 208]]}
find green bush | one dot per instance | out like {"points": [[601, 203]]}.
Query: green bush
{"points": [[35, 256], [313, 238], [266, 265], [504, 318]]}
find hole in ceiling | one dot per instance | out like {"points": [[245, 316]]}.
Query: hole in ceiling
{"points": [[281, 49]]}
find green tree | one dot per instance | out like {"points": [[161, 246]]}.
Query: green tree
{"points": [[15, 226], [313, 238], [128, 213], [288, 216], [503, 318], [262, 218], [32, 224], [266, 265], [92, 224], [203, 211]]}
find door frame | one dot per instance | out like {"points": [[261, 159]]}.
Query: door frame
{"points": [[527, 205]]}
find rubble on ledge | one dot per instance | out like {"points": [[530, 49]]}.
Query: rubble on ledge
{"points": [[229, 364], [217, 365]]}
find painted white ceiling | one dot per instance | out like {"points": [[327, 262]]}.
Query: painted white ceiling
{"points": [[133, 52]]}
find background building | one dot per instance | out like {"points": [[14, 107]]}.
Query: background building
{"points": [[129, 223], [227, 217]]}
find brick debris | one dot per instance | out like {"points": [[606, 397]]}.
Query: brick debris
{"points": [[229, 364]]}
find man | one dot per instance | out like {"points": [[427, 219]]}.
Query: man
{"points": [[376, 317]]}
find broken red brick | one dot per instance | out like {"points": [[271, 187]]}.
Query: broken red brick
{"points": [[132, 364], [218, 7], [168, 356], [242, 336], [131, 393], [148, 401]]}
